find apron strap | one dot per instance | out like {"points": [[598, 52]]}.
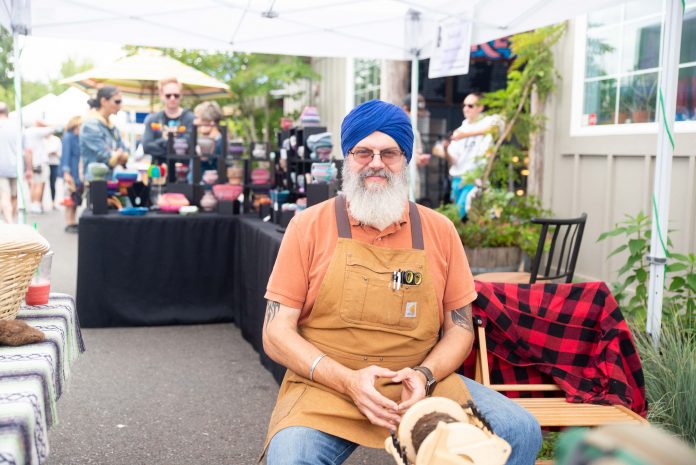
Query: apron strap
{"points": [[416, 228], [343, 223]]}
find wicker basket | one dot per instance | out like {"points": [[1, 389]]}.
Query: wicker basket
{"points": [[21, 249]]}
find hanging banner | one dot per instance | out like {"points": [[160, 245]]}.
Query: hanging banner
{"points": [[450, 56]]}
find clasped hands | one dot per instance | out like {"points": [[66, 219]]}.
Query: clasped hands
{"points": [[118, 157], [378, 409]]}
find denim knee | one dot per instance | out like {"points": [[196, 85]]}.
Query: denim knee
{"points": [[298, 445]]}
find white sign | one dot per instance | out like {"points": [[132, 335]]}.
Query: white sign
{"points": [[452, 48]]}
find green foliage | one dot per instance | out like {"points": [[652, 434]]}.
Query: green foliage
{"points": [[670, 378], [251, 77], [498, 219], [532, 71], [679, 298], [635, 270], [548, 445], [6, 65]]}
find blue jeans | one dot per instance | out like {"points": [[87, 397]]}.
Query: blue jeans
{"points": [[298, 445], [460, 194]]}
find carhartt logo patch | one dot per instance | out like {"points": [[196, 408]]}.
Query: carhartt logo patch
{"points": [[410, 310]]}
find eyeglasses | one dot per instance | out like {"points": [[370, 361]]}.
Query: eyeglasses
{"points": [[388, 156], [117, 102], [176, 96], [469, 105]]}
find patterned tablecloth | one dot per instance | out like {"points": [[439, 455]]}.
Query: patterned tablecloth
{"points": [[33, 377]]}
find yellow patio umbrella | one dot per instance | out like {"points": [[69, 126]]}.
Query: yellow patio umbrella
{"points": [[138, 76]]}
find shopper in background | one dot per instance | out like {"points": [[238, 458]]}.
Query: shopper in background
{"points": [[100, 140], [70, 169], [54, 147], [36, 145], [171, 119], [468, 149], [207, 118], [9, 137]]}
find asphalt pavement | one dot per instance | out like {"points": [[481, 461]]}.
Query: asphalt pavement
{"points": [[172, 395]]}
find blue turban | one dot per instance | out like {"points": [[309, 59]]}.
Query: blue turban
{"points": [[377, 115]]}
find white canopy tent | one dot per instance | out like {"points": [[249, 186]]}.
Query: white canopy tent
{"points": [[387, 29]]}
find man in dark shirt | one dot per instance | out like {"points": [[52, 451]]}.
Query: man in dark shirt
{"points": [[172, 119]]}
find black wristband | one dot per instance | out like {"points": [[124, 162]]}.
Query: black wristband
{"points": [[429, 379]]}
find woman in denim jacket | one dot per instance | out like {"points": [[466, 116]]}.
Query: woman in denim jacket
{"points": [[100, 141]]}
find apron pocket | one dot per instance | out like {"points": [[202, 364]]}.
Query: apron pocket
{"points": [[369, 299]]}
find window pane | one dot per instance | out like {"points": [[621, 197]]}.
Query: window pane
{"points": [[641, 45], [641, 8], [602, 52], [604, 17], [688, 41], [686, 94], [600, 102], [637, 98]]}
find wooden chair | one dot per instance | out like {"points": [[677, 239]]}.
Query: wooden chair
{"points": [[552, 411], [558, 264]]}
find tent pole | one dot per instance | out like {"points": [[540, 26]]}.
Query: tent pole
{"points": [[413, 168], [21, 204], [412, 31], [666, 110]]}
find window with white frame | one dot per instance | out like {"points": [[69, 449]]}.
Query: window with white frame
{"points": [[366, 80], [620, 73]]}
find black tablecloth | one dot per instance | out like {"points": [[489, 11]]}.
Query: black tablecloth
{"points": [[256, 248], [169, 269], [156, 269]]}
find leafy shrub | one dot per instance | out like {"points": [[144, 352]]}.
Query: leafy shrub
{"points": [[679, 298], [498, 218], [670, 378]]}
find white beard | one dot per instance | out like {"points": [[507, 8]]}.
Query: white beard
{"points": [[377, 205]]}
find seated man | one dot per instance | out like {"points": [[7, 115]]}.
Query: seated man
{"points": [[362, 286]]}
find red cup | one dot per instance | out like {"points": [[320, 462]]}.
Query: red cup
{"points": [[37, 294]]}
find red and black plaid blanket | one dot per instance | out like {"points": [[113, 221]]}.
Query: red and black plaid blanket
{"points": [[572, 333]]}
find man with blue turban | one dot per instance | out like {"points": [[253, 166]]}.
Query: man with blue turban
{"points": [[369, 308]]}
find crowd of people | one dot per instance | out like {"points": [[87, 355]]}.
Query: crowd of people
{"points": [[95, 139], [88, 140]]}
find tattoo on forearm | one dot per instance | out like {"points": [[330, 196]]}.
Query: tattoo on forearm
{"points": [[271, 311], [462, 317]]}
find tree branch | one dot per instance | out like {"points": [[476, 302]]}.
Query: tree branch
{"points": [[508, 128]]}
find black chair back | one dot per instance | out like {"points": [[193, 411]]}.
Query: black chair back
{"points": [[564, 237]]}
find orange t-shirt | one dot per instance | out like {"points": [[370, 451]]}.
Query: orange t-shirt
{"points": [[310, 240]]}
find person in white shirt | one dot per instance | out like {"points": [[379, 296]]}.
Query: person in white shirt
{"points": [[37, 151], [54, 147], [468, 149], [9, 138]]}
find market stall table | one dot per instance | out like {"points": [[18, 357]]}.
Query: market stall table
{"points": [[156, 269], [32, 378], [256, 249]]}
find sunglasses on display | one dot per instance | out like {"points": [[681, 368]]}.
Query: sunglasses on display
{"points": [[388, 156], [172, 96]]}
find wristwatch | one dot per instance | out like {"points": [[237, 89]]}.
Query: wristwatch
{"points": [[429, 379]]}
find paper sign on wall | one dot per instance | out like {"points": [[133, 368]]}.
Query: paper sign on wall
{"points": [[452, 46]]}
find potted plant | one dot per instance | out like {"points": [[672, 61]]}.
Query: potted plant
{"points": [[497, 234], [638, 98]]}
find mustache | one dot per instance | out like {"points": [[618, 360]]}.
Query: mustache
{"points": [[370, 172]]}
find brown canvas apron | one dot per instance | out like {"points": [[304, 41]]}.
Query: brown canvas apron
{"points": [[359, 320]]}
